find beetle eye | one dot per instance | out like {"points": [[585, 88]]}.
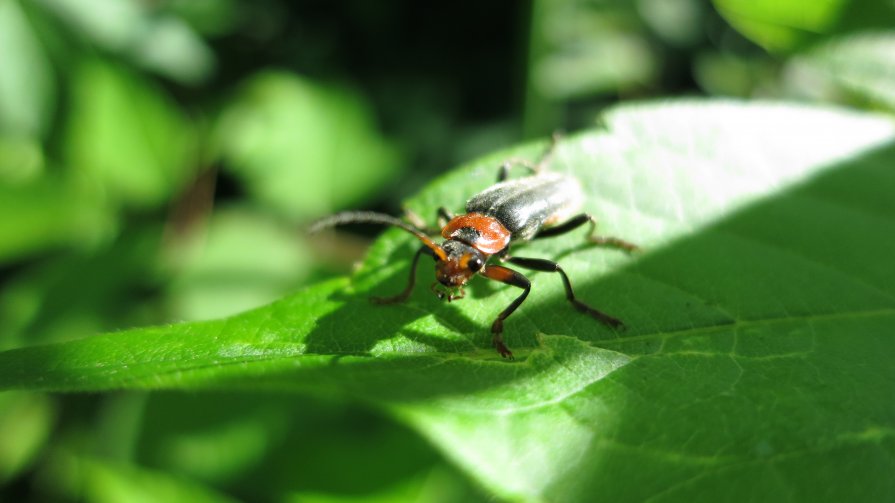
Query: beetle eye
{"points": [[474, 264]]}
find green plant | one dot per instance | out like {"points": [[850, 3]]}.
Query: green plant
{"points": [[754, 366]]}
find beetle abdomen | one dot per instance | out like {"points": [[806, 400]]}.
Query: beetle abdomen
{"points": [[524, 205]]}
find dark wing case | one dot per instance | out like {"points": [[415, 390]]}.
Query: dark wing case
{"points": [[524, 205]]}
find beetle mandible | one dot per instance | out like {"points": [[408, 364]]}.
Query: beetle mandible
{"points": [[540, 205]]}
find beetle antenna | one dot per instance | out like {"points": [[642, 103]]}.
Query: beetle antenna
{"points": [[371, 217]]}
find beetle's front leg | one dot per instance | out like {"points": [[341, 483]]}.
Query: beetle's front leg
{"points": [[510, 277], [401, 297], [537, 264]]}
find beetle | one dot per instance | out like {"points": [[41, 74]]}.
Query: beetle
{"points": [[540, 205]]}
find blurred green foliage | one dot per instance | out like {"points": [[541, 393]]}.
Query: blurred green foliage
{"points": [[159, 160]]}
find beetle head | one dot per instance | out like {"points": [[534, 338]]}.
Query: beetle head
{"points": [[455, 261], [461, 262]]}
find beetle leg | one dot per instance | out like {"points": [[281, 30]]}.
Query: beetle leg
{"points": [[507, 165], [417, 221], [504, 254], [401, 297], [537, 264], [533, 167], [579, 220], [444, 216], [510, 277], [547, 156]]}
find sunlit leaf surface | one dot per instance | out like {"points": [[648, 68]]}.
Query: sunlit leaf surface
{"points": [[755, 365]]}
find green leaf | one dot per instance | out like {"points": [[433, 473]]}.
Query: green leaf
{"points": [[259, 443], [301, 148], [861, 66], [144, 33], [780, 24], [127, 135], [27, 88], [244, 260], [756, 359], [21, 160], [786, 25], [73, 295], [98, 481], [26, 421], [49, 212], [209, 17]]}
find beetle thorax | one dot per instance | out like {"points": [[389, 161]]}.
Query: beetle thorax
{"points": [[485, 233]]}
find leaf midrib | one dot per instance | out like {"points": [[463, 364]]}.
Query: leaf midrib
{"points": [[444, 357], [741, 324]]}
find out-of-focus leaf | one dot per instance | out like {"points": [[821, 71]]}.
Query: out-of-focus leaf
{"points": [[222, 438], [21, 160], [726, 74], [109, 23], [209, 17], [607, 64], [98, 481], [680, 22], [302, 148], [585, 49], [171, 48], [756, 357], [47, 213], [785, 25], [438, 485], [138, 30], [780, 24], [26, 421], [244, 260], [860, 66], [127, 135], [78, 294], [27, 88], [579, 50], [264, 443]]}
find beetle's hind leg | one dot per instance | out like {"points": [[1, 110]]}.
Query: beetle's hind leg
{"points": [[533, 167], [579, 220], [444, 216], [536, 264], [509, 164]]}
